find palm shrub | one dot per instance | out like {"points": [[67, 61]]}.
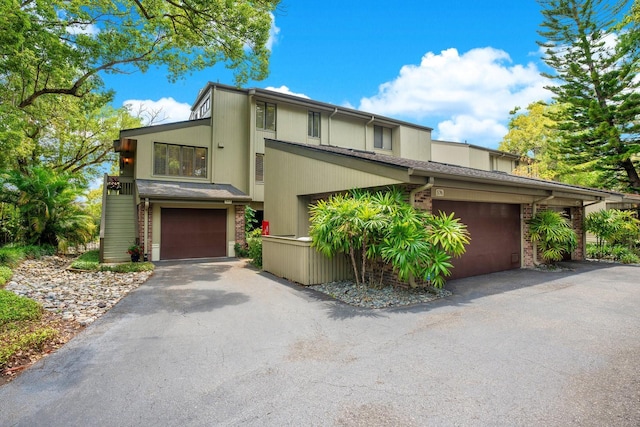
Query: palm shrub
{"points": [[48, 207], [374, 229], [613, 227], [553, 235]]}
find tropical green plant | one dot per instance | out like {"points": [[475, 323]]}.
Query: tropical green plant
{"points": [[553, 235], [250, 221], [377, 228], [254, 247], [613, 227], [48, 203]]}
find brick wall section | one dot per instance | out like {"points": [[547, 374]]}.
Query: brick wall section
{"points": [[240, 235], [424, 201], [577, 221], [146, 246], [527, 246]]}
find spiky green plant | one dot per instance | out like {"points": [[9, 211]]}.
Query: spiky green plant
{"points": [[553, 235]]}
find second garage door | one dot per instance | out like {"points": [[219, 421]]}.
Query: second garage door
{"points": [[495, 236], [193, 233]]}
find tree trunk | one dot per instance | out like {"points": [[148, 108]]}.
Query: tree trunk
{"points": [[632, 175]]}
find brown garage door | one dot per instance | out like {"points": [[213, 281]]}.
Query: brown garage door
{"points": [[495, 236], [193, 233]]}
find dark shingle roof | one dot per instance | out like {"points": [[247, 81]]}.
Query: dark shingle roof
{"points": [[189, 191], [444, 170]]}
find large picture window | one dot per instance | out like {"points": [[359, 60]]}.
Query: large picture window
{"points": [[179, 160], [265, 116], [382, 138]]}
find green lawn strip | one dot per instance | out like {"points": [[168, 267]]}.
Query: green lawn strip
{"points": [[23, 336], [20, 329], [14, 308], [90, 261], [5, 274]]}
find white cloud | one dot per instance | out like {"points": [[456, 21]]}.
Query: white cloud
{"points": [[86, 29], [474, 89], [164, 110], [274, 31], [287, 91], [472, 130]]}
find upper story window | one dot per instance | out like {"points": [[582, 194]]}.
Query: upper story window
{"points": [[265, 116], [204, 108], [381, 138], [179, 160], [314, 124]]}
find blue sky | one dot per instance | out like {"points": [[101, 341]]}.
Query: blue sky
{"points": [[458, 67]]}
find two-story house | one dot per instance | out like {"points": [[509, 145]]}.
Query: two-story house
{"points": [[183, 186]]}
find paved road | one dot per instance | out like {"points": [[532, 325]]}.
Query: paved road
{"points": [[214, 343]]}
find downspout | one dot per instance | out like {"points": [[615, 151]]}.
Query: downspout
{"points": [[534, 209], [335, 111], [412, 200], [366, 126], [146, 229], [412, 194]]}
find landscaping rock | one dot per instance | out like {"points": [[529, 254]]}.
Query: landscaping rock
{"points": [[82, 297]]}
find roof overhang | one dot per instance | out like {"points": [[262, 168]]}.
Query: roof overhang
{"points": [[190, 191], [413, 172]]}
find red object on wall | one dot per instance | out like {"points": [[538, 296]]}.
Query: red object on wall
{"points": [[265, 228]]}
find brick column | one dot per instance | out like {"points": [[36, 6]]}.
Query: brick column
{"points": [[577, 222], [146, 246], [527, 245], [240, 234]]}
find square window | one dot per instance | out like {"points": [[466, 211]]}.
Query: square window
{"points": [[382, 138]]}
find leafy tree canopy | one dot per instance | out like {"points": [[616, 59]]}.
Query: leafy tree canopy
{"points": [[53, 54], [593, 49], [533, 135]]}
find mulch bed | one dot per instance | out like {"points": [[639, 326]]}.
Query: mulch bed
{"points": [[67, 329]]}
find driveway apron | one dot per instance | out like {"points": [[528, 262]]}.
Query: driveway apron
{"points": [[218, 343]]}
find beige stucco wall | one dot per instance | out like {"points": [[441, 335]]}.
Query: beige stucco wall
{"points": [[479, 159], [503, 164], [283, 207], [414, 143], [231, 151], [453, 154]]}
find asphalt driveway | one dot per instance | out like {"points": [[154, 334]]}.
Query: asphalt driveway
{"points": [[214, 343]]}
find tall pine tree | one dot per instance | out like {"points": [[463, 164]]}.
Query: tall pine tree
{"points": [[595, 54]]}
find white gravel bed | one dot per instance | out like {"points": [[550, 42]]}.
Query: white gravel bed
{"points": [[79, 296], [387, 296]]}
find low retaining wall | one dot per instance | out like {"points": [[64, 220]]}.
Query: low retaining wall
{"points": [[295, 260]]}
